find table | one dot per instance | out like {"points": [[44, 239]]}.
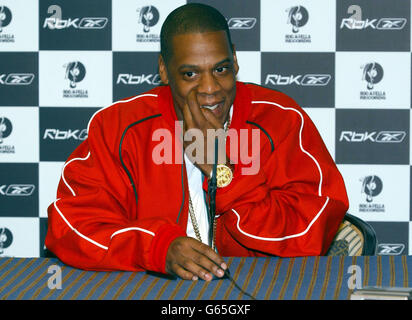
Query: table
{"points": [[314, 278]]}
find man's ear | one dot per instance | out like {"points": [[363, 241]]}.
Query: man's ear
{"points": [[162, 70], [235, 64]]}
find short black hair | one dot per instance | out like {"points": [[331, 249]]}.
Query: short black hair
{"points": [[190, 18]]}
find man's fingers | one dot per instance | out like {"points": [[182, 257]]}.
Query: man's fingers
{"points": [[209, 265], [183, 273], [197, 269], [210, 117], [188, 120], [209, 259], [189, 270], [188, 258], [194, 108], [188, 117], [200, 264]]}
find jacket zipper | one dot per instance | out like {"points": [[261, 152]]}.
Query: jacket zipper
{"points": [[214, 235]]}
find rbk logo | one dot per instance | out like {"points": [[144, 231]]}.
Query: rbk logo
{"points": [[382, 24], [85, 23], [300, 80], [315, 80], [241, 23], [17, 190], [390, 248], [390, 136], [391, 23], [93, 23], [127, 78], [16, 79], [57, 134], [380, 137]]}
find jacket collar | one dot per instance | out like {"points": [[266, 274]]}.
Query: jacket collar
{"points": [[241, 106]]}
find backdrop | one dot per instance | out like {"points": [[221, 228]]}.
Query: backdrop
{"points": [[347, 63]]}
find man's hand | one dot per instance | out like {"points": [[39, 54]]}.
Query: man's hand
{"points": [[202, 119], [191, 259]]}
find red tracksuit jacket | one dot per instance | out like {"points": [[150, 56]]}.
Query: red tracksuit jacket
{"points": [[116, 209]]}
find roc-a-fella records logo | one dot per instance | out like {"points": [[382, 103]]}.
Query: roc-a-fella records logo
{"points": [[6, 129], [6, 239], [372, 74], [5, 19], [298, 17], [371, 187], [148, 17], [75, 72]]}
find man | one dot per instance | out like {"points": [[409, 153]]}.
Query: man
{"points": [[120, 208]]}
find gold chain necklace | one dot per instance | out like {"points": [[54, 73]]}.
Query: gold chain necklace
{"points": [[192, 211], [194, 220]]}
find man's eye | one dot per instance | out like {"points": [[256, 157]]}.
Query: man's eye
{"points": [[189, 74], [222, 69]]}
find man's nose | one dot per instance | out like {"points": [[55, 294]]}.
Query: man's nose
{"points": [[208, 84]]}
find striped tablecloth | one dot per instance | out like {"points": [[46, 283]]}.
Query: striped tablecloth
{"points": [[264, 278]]}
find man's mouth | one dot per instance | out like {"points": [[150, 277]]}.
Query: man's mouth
{"points": [[214, 106], [211, 107]]}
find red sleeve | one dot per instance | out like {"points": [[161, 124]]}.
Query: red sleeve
{"points": [[294, 205], [91, 224]]}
